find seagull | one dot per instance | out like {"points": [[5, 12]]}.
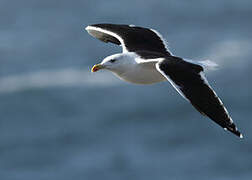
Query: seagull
{"points": [[146, 59]]}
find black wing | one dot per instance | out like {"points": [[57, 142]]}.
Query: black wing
{"points": [[189, 80], [132, 38]]}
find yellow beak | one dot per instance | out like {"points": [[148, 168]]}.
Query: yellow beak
{"points": [[97, 67]]}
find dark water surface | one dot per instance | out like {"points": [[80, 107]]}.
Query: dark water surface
{"points": [[58, 121]]}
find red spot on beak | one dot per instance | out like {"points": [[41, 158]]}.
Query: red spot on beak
{"points": [[96, 67]]}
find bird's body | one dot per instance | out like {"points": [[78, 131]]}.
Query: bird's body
{"points": [[146, 59], [137, 71], [142, 74]]}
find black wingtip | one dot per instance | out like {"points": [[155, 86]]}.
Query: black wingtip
{"points": [[234, 131]]}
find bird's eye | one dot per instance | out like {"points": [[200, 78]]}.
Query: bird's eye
{"points": [[112, 60]]}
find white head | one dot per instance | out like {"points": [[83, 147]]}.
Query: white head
{"points": [[117, 63]]}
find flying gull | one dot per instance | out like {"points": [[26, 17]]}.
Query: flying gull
{"points": [[146, 59]]}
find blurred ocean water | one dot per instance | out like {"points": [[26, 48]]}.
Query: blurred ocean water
{"points": [[59, 121]]}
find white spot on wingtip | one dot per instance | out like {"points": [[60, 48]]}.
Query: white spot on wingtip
{"points": [[225, 129], [132, 25], [241, 136]]}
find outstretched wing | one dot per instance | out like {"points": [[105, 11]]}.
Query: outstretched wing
{"points": [[189, 80], [131, 38]]}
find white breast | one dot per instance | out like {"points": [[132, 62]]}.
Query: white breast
{"points": [[141, 74]]}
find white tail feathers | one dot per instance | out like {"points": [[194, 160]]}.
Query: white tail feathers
{"points": [[208, 65]]}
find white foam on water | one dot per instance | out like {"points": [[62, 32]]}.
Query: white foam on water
{"points": [[55, 78], [230, 52]]}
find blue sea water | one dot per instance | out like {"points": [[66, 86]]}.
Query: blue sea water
{"points": [[59, 121]]}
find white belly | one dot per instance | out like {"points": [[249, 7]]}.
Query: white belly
{"points": [[141, 75]]}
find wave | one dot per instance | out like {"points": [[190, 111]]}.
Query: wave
{"points": [[55, 78], [231, 51]]}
